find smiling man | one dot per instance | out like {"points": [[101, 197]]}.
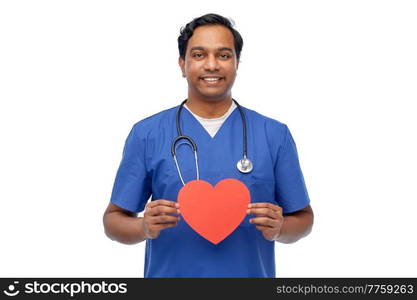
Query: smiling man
{"points": [[230, 141], [210, 66]]}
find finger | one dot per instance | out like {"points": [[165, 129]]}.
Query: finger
{"points": [[164, 219], [264, 221], [162, 202], [162, 210], [164, 226], [263, 212], [262, 228], [265, 205]]}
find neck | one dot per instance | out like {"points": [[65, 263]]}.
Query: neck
{"points": [[209, 109]]}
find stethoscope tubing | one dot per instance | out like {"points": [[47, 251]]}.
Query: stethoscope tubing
{"points": [[193, 145]]}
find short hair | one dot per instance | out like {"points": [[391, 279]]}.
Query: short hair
{"points": [[208, 19]]}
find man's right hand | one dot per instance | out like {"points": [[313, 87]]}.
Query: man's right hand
{"points": [[157, 216]]}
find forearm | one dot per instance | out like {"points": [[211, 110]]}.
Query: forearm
{"points": [[295, 227], [124, 229]]}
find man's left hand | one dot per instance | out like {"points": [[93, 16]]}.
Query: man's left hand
{"points": [[268, 220]]}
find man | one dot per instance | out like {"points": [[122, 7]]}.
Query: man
{"points": [[279, 210]]}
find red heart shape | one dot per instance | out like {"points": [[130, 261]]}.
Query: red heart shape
{"points": [[214, 213]]}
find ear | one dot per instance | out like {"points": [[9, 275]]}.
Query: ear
{"points": [[181, 63]]}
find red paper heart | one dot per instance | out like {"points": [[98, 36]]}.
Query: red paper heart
{"points": [[214, 213]]}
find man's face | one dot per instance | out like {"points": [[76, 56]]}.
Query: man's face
{"points": [[210, 62]]}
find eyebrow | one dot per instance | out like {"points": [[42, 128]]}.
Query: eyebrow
{"points": [[219, 49]]}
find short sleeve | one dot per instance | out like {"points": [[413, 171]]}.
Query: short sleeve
{"points": [[132, 187], [290, 189]]}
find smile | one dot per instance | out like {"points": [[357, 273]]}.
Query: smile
{"points": [[211, 80]]}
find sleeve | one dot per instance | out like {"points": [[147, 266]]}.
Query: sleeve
{"points": [[290, 189], [132, 186]]}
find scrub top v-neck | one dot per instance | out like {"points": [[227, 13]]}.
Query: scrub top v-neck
{"points": [[212, 125]]}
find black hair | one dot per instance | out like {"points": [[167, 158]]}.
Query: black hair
{"points": [[208, 19]]}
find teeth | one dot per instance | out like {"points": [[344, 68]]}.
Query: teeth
{"points": [[211, 79]]}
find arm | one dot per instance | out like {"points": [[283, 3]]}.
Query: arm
{"points": [[296, 225], [123, 226], [277, 227]]}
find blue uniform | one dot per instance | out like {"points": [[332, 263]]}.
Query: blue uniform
{"points": [[148, 169]]}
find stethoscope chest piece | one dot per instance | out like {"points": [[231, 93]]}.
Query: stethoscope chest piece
{"points": [[244, 165]]}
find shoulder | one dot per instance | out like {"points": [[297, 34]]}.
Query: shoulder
{"points": [[273, 127], [150, 125]]}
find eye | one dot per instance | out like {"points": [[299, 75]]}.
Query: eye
{"points": [[225, 55], [197, 55]]}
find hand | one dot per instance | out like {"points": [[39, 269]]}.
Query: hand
{"points": [[269, 219], [157, 217]]}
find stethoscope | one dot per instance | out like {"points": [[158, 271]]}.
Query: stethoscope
{"points": [[244, 165]]}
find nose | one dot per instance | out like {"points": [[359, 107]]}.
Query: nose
{"points": [[211, 63]]}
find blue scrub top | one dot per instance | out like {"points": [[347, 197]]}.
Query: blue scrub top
{"points": [[147, 169]]}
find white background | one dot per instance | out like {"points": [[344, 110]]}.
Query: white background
{"points": [[76, 75]]}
